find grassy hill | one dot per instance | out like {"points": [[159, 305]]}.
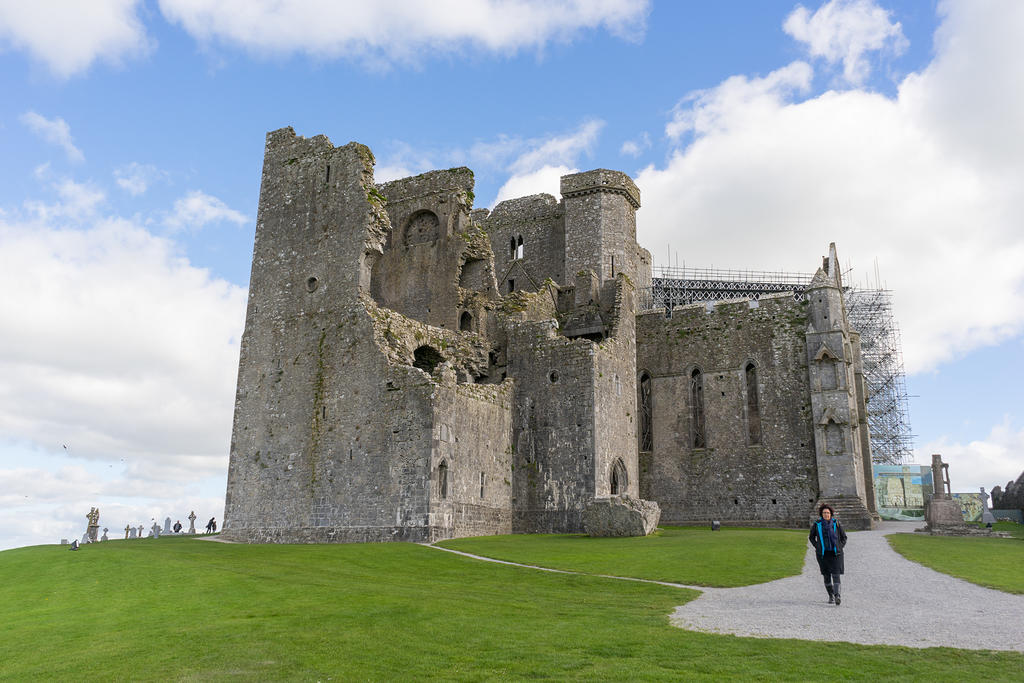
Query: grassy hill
{"points": [[187, 609]]}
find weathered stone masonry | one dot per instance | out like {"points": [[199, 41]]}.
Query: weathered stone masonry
{"points": [[414, 369]]}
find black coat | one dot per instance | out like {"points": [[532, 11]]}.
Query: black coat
{"points": [[831, 560]]}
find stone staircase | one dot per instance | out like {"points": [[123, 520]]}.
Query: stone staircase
{"points": [[851, 513]]}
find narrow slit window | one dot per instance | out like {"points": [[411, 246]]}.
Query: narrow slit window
{"points": [[482, 481], [697, 435], [753, 407], [644, 410], [519, 247], [442, 480]]}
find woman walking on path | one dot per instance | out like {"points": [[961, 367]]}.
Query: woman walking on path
{"points": [[828, 538]]}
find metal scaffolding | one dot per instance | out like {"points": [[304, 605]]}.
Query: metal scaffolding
{"points": [[869, 311]]}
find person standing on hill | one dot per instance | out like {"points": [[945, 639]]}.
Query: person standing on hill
{"points": [[828, 538]]}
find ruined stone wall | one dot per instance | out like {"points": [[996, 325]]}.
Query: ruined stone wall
{"points": [[539, 221], [615, 395], [308, 460], [730, 479], [419, 272], [553, 426], [473, 438], [334, 428]]}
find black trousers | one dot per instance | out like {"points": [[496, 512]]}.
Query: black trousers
{"points": [[832, 583]]}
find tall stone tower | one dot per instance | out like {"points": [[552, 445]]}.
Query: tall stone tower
{"points": [[837, 406], [600, 224]]}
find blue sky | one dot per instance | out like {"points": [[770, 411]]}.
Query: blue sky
{"points": [[132, 135]]}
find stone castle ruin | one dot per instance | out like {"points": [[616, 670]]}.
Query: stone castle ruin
{"points": [[415, 369]]}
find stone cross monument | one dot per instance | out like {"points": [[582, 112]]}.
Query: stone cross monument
{"points": [[94, 524], [942, 510], [192, 522]]}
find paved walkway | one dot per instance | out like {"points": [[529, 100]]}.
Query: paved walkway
{"points": [[887, 600]]}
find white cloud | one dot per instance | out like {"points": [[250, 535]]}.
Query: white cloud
{"points": [[990, 462], [561, 149], [55, 131], [768, 181], [135, 178], [546, 179], [738, 101], [635, 148], [400, 30], [197, 209], [77, 200], [112, 343], [543, 161], [69, 35], [844, 30]]}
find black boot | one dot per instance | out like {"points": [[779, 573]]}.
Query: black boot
{"points": [[831, 594], [835, 591]]}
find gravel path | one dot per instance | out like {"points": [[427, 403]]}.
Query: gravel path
{"points": [[887, 600]]}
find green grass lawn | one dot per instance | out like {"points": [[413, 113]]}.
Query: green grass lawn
{"points": [[993, 562], [191, 610], [689, 555], [1014, 529]]}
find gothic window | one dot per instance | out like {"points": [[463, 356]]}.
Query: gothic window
{"points": [[753, 408], [466, 321], [619, 480], [442, 480], [519, 247], [644, 431], [697, 439]]}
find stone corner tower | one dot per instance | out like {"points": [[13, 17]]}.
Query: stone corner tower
{"points": [[837, 402]]}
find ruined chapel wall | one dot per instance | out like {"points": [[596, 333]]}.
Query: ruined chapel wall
{"points": [[539, 221], [553, 427], [473, 438], [731, 479], [418, 274]]}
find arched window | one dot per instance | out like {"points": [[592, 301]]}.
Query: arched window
{"points": [[519, 247], [426, 358], [619, 479], [442, 480], [466, 321], [512, 251], [644, 432], [697, 439], [753, 408]]}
